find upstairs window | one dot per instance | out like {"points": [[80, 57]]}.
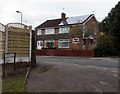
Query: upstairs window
{"points": [[39, 32], [64, 30], [49, 31]]}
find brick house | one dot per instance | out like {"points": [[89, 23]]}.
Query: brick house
{"points": [[68, 33]]}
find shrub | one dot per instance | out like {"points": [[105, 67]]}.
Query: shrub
{"points": [[106, 46]]}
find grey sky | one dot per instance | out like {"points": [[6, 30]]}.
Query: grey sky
{"points": [[37, 11]]}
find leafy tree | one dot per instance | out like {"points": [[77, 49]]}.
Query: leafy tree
{"points": [[111, 25], [104, 26]]}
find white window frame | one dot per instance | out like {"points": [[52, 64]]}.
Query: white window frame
{"points": [[39, 42], [64, 30], [49, 31], [47, 41], [39, 32], [63, 40]]}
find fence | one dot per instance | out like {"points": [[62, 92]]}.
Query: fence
{"points": [[2, 40], [15, 38]]}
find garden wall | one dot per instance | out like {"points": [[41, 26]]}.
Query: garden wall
{"points": [[55, 52]]}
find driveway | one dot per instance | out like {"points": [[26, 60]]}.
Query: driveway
{"points": [[73, 74]]}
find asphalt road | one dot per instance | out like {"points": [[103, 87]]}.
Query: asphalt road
{"points": [[99, 62], [74, 74]]}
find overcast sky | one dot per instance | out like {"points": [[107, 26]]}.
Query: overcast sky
{"points": [[36, 12]]}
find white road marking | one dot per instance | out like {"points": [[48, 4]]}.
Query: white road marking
{"points": [[103, 83], [110, 59], [115, 75], [114, 71], [96, 89]]}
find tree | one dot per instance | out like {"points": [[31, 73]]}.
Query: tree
{"points": [[111, 24]]}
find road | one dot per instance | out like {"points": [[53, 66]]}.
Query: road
{"points": [[100, 62], [73, 74]]}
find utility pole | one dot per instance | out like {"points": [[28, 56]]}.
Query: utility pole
{"points": [[33, 50]]}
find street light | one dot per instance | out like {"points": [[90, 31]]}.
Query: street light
{"points": [[21, 17]]}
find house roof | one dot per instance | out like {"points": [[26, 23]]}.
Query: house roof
{"points": [[77, 19], [50, 23], [69, 21]]}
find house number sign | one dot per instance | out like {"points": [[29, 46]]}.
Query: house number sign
{"points": [[75, 40]]}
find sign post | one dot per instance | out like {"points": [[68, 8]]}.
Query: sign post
{"points": [[6, 56]]}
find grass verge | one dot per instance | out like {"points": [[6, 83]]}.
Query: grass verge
{"points": [[15, 84]]}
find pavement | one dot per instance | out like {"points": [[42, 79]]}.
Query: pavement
{"points": [[71, 77]]}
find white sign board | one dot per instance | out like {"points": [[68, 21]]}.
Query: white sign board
{"points": [[75, 40], [9, 55]]}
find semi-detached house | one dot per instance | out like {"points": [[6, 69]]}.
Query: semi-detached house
{"points": [[68, 33]]}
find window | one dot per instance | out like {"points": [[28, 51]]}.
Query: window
{"points": [[39, 44], [39, 32], [64, 30], [49, 43], [63, 43], [49, 31], [75, 40]]}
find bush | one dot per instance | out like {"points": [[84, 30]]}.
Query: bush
{"points": [[106, 46]]}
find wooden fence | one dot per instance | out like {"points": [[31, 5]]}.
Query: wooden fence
{"points": [[15, 38], [2, 40]]}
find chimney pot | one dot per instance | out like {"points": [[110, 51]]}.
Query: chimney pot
{"points": [[63, 16]]}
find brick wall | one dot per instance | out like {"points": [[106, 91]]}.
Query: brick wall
{"points": [[54, 52]]}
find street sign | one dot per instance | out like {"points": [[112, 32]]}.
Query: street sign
{"points": [[6, 56], [9, 55]]}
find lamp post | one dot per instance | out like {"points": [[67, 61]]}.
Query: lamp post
{"points": [[21, 17]]}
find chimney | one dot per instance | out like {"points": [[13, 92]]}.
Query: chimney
{"points": [[63, 16]]}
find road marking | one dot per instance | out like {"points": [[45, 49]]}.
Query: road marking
{"points": [[115, 75], [110, 59], [103, 83], [96, 89], [114, 71]]}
